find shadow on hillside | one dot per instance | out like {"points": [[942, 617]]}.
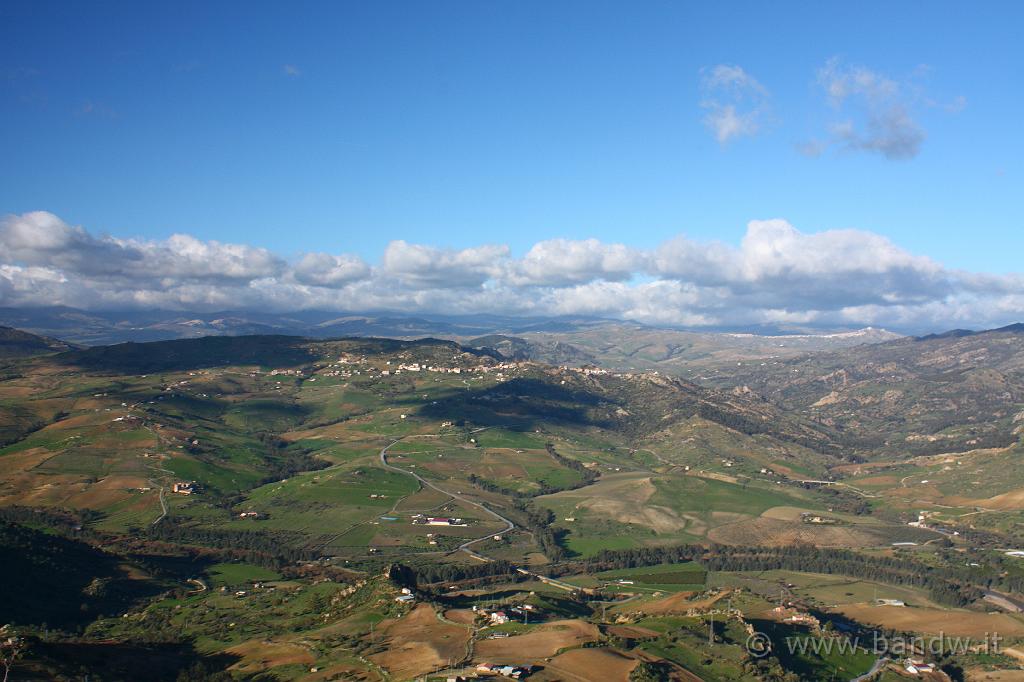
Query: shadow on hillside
{"points": [[519, 405], [63, 582], [185, 354], [126, 661]]}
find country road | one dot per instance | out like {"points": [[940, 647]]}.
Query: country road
{"points": [[163, 507], [200, 585], [875, 669], [465, 545]]}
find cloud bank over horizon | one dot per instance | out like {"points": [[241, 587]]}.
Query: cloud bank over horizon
{"points": [[777, 275]]}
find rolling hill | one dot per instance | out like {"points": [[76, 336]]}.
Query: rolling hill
{"points": [[695, 355], [258, 503], [15, 343], [939, 393]]}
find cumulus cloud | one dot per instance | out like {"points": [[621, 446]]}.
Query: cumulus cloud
{"points": [[734, 101], [325, 270], [429, 266], [876, 110], [777, 267], [776, 274], [42, 239], [564, 261]]}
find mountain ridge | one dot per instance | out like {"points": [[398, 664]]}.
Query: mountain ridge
{"points": [[105, 327]]}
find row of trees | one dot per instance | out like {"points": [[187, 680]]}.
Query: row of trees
{"points": [[841, 500], [538, 522], [64, 521], [588, 476], [253, 546], [432, 573], [946, 585], [285, 460]]}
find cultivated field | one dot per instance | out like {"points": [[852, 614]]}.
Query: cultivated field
{"points": [[934, 621], [419, 643], [585, 665], [539, 643]]}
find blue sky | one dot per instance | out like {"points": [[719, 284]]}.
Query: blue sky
{"points": [[343, 127]]}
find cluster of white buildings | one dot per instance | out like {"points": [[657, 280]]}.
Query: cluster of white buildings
{"points": [[185, 487], [505, 615], [890, 602], [514, 672], [790, 614], [586, 371], [420, 519], [922, 522], [350, 366], [916, 666]]}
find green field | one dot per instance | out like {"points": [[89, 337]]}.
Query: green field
{"points": [[232, 575], [664, 574], [326, 502]]}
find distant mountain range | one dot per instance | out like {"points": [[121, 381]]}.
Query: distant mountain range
{"points": [[547, 334], [691, 354], [105, 327]]}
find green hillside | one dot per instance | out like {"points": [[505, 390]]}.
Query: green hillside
{"points": [[239, 500]]}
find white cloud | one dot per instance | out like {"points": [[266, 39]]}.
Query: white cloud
{"points": [[41, 238], [734, 101], [564, 261], [325, 270], [777, 267], [777, 274], [426, 265], [291, 70], [877, 111]]}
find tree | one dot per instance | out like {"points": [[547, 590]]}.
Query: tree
{"points": [[649, 672], [200, 672], [11, 649]]}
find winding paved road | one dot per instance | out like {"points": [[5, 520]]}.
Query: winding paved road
{"points": [[465, 546]]}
